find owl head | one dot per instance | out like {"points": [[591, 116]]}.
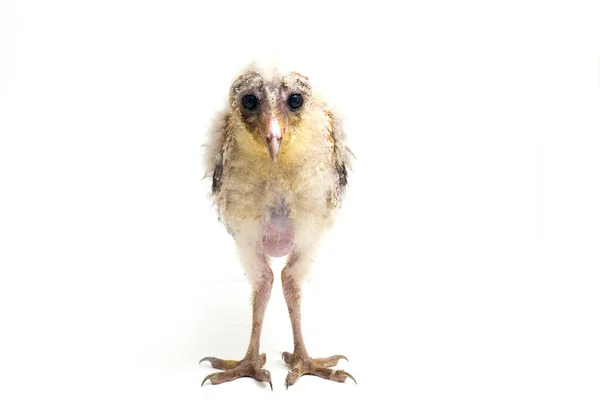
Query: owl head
{"points": [[271, 106]]}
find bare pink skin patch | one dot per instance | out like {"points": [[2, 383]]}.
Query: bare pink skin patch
{"points": [[278, 237]]}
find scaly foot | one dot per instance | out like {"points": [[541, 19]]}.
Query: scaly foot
{"points": [[248, 367], [314, 366]]}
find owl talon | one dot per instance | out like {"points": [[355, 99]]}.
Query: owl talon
{"points": [[314, 366], [233, 370]]}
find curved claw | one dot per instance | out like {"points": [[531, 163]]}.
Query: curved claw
{"points": [[205, 359], [348, 374], [208, 377], [264, 376]]}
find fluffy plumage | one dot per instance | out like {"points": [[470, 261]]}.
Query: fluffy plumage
{"points": [[309, 177], [278, 177]]}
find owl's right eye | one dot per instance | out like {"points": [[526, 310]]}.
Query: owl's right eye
{"points": [[249, 101]]}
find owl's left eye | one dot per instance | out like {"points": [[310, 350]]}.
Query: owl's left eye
{"points": [[295, 101], [249, 101]]}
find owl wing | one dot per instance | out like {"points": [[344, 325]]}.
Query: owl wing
{"points": [[340, 155], [220, 136]]}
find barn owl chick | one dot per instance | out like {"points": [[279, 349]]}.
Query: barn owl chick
{"points": [[278, 160]]}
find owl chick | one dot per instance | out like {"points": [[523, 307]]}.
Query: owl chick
{"points": [[279, 165]]}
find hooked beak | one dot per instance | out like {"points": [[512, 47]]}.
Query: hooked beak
{"points": [[274, 139]]}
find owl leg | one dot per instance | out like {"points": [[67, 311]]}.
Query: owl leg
{"points": [[299, 361], [252, 363]]}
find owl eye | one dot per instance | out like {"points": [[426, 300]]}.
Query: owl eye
{"points": [[249, 101], [295, 101]]}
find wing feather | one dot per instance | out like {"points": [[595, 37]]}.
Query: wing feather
{"points": [[220, 136], [341, 153]]}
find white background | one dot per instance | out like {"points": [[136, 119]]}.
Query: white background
{"points": [[465, 263]]}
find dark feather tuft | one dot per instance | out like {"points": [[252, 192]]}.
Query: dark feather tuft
{"points": [[217, 175], [343, 175]]}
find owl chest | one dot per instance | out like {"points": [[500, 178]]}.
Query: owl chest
{"points": [[260, 189], [255, 192]]}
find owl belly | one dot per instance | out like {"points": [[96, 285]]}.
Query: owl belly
{"points": [[278, 237]]}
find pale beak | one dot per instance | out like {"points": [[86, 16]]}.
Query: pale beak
{"points": [[274, 139]]}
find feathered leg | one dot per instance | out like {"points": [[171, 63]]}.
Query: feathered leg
{"points": [[299, 361], [252, 363]]}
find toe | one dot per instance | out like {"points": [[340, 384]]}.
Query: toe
{"points": [[218, 377], [263, 375], [263, 359], [221, 364], [333, 375], [291, 378], [330, 361], [288, 358], [340, 376]]}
